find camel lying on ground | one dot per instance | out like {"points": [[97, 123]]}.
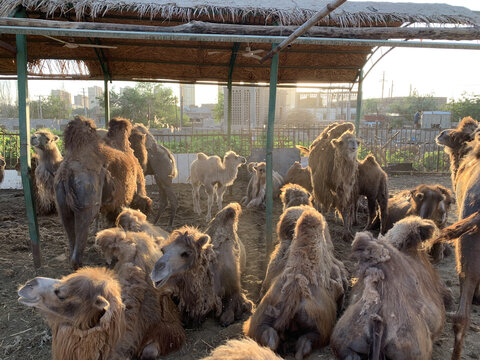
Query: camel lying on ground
{"points": [[153, 322], [215, 176], [294, 195], [119, 131], [203, 279], [296, 174], [161, 164], [244, 349], [382, 321], [302, 301], [136, 221], [373, 184], [84, 310], [92, 177], [332, 158], [49, 159], [256, 189]]}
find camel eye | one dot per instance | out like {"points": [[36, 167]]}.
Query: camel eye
{"points": [[184, 254], [57, 292], [162, 250]]}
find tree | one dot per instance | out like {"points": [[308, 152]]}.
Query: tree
{"points": [[299, 117], [53, 107], [147, 103], [468, 105], [218, 110]]}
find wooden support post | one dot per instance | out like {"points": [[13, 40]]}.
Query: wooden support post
{"points": [[25, 161], [233, 57], [269, 152], [359, 102], [106, 96]]}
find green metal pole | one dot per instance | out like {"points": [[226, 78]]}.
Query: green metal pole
{"points": [[269, 149], [233, 57], [106, 94], [24, 126], [359, 102]]}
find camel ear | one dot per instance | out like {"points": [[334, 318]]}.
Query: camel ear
{"points": [[336, 142], [55, 138], [419, 196], [426, 230], [203, 240], [101, 303]]}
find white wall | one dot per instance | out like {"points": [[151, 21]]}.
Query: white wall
{"points": [[11, 180]]}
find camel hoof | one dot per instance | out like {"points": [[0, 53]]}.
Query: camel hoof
{"points": [[304, 347], [150, 352], [227, 318]]}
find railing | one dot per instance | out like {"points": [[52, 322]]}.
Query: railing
{"points": [[401, 149]]}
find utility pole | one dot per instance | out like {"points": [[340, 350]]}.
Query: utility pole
{"points": [[181, 106], [391, 90], [410, 91], [84, 105], [40, 106], [383, 83]]}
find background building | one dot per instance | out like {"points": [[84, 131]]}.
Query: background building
{"points": [[64, 96], [94, 93], [80, 102], [188, 91]]}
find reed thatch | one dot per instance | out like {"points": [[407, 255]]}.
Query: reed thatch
{"points": [[191, 61]]}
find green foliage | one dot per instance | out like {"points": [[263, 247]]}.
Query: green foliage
{"points": [[299, 117], [8, 111], [468, 105], [218, 109], [53, 107], [146, 103]]}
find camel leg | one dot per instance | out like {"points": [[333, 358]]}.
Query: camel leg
{"points": [[220, 191], [68, 221], [83, 219], [372, 212], [355, 214], [461, 319], [172, 200], [305, 343], [209, 189], [162, 202], [196, 198]]}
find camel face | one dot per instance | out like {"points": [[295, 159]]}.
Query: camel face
{"points": [[261, 168], [347, 145], [234, 159], [445, 138], [179, 255], [43, 140], [39, 291], [426, 201]]}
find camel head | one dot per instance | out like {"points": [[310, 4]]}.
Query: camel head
{"points": [[346, 145], [83, 299], [80, 133], [131, 220], [119, 127], [182, 252], [115, 244], [225, 221], [288, 220], [440, 214], [261, 169], [425, 200], [294, 195], [137, 137], [450, 139], [43, 140], [233, 160]]}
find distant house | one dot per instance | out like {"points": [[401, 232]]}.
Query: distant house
{"points": [[436, 120]]}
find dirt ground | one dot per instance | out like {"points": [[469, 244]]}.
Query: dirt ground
{"points": [[24, 335]]}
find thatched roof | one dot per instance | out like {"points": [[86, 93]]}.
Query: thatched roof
{"points": [[188, 60]]}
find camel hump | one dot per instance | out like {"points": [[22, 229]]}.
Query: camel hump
{"points": [[304, 150], [202, 156]]}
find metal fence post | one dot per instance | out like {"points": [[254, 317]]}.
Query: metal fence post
{"points": [[106, 95], [359, 102], [268, 151], [24, 126]]}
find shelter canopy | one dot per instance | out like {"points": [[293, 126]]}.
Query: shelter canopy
{"points": [[210, 61]]}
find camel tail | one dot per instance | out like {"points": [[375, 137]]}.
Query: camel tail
{"points": [[377, 344], [303, 150], [468, 225]]}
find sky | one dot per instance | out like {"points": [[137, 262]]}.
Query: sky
{"points": [[440, 72]]}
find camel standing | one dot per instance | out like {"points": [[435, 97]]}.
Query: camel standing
{"points": [[215, 176]]}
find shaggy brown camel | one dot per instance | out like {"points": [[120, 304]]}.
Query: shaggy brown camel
{"points": [[117, 137], [231, 261], [138, 141], [136, 221], [84, 310], [161, 164], [382, 321], [244, 349], [92, 177], [302, 301], [456, 143], [2, 167], [373, 183], [153, 321], [49, 158], [294, 195], [215, 176], [296, 174], [256, 189], [189, 269]]}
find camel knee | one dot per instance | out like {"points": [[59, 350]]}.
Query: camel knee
{"points": [[150, 352]]}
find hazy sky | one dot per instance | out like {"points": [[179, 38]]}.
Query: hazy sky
{"points": [[441, 72]]}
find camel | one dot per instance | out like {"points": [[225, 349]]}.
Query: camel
{"points": [[84, 310], [302, 301], [49, 158], [244, 349], [256, 189], [294, 195], [92, 178], [231, 261], [153, 322], [296, 174], [382, 321], [2, 167], [215, 176], [190, 270], [373, 183], [456, 143], [161, 164], [136, 221], [138, 141], [118, 133]]}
